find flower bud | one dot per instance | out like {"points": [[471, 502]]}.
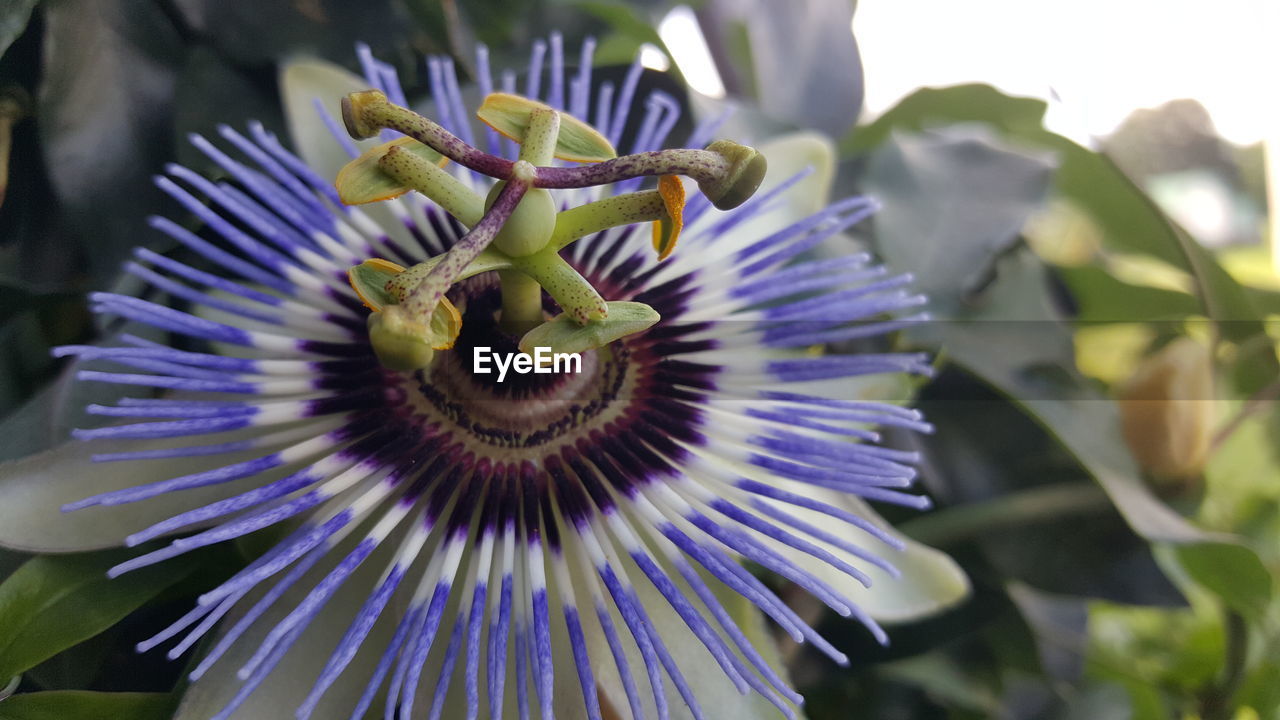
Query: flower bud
{"points": [[1166, 410]]}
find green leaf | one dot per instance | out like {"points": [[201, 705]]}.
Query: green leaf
{"points": [[805, 63], [1102, 298], [1261, 690], [86, 705], [951, 202], [1232, 572], [630, 29], [1099, 701], [563, 335], [54, 602], [257, 36], [106, 94], [1022, 348], [212, 93], [948, 681], [577, 141], [953, 205], [13, 20], [1128, 219]]}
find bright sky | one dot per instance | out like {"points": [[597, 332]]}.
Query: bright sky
{"points": [[1100, 58], [1095, 61]]}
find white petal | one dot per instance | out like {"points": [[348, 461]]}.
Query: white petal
{"points": [[302, 82], [931, 581], [35, 488], [716, 694], [793, 153]]}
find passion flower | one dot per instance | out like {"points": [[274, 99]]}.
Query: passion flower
{"points": [[569, 540]]}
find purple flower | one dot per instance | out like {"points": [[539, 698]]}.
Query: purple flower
{"points": [[454, 546]]}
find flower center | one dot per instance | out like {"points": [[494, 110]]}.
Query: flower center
{"points": [[523, 412], [517, 229]]}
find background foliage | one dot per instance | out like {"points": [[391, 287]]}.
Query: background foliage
{"points": [[1105, 585]]}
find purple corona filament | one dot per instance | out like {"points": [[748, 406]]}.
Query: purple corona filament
{"points": [[485, 545]]}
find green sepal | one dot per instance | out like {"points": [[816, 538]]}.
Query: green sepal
{"points": [[362, 181], [577, 142], [563, 334]]}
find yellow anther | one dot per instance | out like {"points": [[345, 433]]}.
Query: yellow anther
{"points": [[666, 231]]}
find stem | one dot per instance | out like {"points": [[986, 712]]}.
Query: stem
{"points": [[1219, 699], [1016, 509], [521, 302], [1257, 402]]}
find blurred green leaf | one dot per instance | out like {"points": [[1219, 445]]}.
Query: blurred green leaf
{"points": [[53, 602], [1129, 220], [629, 27], [1099, 701], [105, 109], [85, 705], [265, 31], [931, 107], [80, 666], [953, 203], [1052, 619], [46, 419], [212, 92], [14, 15], [1261, 689], [1102, 298], [1010, 486], [1179, 651], [806, 63], [1233, 573], [946, 680]]}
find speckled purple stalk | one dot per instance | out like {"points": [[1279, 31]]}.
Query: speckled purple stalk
{"points": [[703, 166], [403, 120], [422, 302]]}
